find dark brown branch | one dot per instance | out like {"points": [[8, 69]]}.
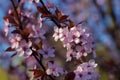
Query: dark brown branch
{"points": [[40, 62], [38, 59], [52, 19], [20, 23]]}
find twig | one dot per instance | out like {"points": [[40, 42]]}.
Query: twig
{"points": [[20, 23], [38, 60], [52, 19]]}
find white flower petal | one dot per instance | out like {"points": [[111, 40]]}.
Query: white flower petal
{"points": [[28, 52], [48, 71], [20, 53]]}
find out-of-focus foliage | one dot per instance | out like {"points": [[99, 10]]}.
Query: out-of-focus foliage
{"points": [[3, 74]]}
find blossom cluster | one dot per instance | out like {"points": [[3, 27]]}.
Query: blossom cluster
{"points": [[22, 40], [27, 38], [86, 71], [54, 69], [78, 41]]}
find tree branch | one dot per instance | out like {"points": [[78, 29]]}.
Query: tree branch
{"points": [[38, 60], [52, 19], [21, 28], [20, 23]]}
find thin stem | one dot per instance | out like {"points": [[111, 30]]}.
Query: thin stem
{"points": [[20, 23], [52, 19], [38, 60], [51, 77]]}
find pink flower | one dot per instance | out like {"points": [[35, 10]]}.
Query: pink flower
{"points": [[81, 51], [86, 71], [30, 62], [77, 38], [65, 34], [89, 47], [75, 34], [80, 76], [58, 33], [40, 20], [24, 49], [47, 51], [70, 54], [54, 69], [66, 37], [15, 41], [6, 27], [37, 32]]}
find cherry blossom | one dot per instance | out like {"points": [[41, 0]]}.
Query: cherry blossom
{"points": [[77, 38], [58, 33], [65, 38], [6, 27], [37, 32], [24, 49], [75, 34], [54, 69], [47, 51], [81, 51], [70, 54], [15, 41], [86, 71]]}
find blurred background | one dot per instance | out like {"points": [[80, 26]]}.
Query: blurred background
{"points": [[103, 18]]}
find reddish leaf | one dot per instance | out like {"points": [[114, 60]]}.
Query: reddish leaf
{"points": [[15, 17], [46, 15], [58, 13], [37, 72], [13, 54], [16, 31], [25, 32], [71, 24], [40, 45], [9, 49], [60, 16], [35, 46], [41, 9], [64, 17], [10, 19]]}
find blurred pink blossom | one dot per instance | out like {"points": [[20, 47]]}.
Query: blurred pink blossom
{"points": [[54, 69]]}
